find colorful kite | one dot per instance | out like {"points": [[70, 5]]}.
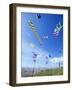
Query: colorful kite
{"points": [[57, 29]]}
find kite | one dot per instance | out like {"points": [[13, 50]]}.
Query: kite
{"points": [[33, 28], [59, 65], [46, 57], [60, 51], [58, 29], [34, 55], [46, 62], [34, 60], [38, 16], [45, 37], [32, 45], [50, 55]]}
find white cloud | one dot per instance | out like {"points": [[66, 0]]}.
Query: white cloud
{"points": [[56, 59], [27, 56]]}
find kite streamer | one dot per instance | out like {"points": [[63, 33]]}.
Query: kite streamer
{"points": [[35, 31]]}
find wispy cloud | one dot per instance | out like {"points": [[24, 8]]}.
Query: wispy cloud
{"points": [[57, 59]]}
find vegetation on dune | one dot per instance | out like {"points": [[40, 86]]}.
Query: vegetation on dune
{"points": [[50, 72]]}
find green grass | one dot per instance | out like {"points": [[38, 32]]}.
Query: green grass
{"points": [[50, 72]]}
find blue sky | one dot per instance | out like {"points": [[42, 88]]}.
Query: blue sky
{"points": [[50, 46]]}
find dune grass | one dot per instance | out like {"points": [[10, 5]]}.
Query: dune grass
{"points": [[50, 72]]}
